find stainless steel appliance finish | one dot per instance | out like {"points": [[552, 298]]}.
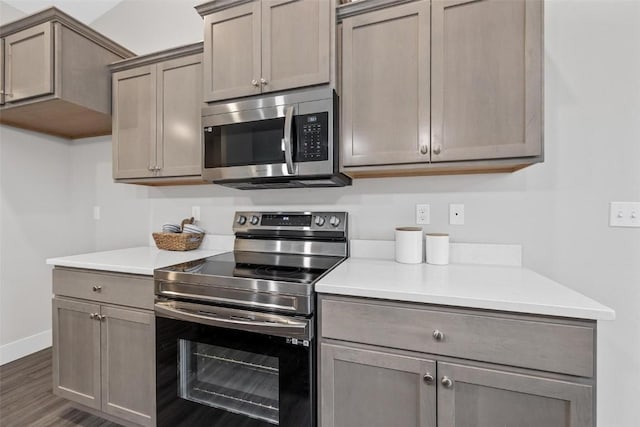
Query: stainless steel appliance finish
{"points": [[235, 341], [277, 258], [273, 141]]}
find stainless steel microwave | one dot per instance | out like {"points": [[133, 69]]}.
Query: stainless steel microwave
{"points": [[273, 141]]}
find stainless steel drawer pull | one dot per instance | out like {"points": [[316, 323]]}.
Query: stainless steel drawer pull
{"points": [[438, 336], [424, 149], [428, 378], [447, 382], [97, 288], [436, 150]]}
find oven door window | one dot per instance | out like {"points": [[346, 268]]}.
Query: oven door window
{"points": [[242, 144], [237, 381]]}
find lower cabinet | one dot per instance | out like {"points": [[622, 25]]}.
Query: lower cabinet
{"points": [[404, 364], [362, 388], [104, 358], [371, 388]]}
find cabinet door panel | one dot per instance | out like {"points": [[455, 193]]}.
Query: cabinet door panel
{"points": [[179, 111], [76, 352], [2, 73], [385, 86], [486, 79], [128, 364], [134, 123], [481, 397], [232, 52], [296, 38], [362, 388], [29, 63]]}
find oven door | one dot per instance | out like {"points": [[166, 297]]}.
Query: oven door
{"points": [[220, 367], [256, 143]]}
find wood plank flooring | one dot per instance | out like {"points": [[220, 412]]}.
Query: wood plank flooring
{"points": [[26, 397]]}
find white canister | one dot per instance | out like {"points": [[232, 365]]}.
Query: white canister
{"points": [[437, 248], [409, 245]]}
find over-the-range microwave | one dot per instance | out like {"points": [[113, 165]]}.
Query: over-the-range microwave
{"points": [[273, 141]]}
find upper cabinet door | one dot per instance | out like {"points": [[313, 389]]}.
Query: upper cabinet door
{"points": [[28, 62], [296, 36], [385, 86], [2, 73], [134, 123], [232, 52], [178, 116], [486, 83], [483, 397]]}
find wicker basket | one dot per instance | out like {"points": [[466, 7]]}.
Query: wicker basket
{"points": [[178, 241]]}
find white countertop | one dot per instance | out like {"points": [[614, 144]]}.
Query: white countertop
{"points": [[503, 288], [142, 260]]}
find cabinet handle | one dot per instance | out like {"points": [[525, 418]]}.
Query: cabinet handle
{"points": [[436, 150], [263, 81], [254, 83], [101, 317], [92, 316], [424, 149], [428, 378], [97, 288], [447, 382], [438, 336]]}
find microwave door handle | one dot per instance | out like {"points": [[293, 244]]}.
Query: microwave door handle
{"points": [[291, 328], [286, 141]]}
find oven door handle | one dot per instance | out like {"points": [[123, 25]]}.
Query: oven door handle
{"points": [[279, 326], [286, 141]]}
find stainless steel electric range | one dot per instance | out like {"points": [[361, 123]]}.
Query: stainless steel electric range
{"points": [[235, 332]]}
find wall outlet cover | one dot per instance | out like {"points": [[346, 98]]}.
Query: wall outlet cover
{"points": [[423, 214]]}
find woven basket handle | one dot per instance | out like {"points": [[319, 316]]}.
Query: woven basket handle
{"points": [[186, 221]]}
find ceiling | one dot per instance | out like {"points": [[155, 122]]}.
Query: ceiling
{"points": [[86, 11]]}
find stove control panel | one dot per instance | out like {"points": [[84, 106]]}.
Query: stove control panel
{"points": [[296, 221]]}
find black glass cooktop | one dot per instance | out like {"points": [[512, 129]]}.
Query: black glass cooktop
{"points": [[262, 266]]}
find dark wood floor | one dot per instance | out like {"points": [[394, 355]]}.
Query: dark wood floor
{"points": [[26, 398]]}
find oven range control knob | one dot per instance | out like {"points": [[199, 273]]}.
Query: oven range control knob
{"points": [[242, 220], [254, 220], [319, 221], [334, 221]]}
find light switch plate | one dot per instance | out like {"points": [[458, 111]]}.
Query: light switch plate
{"points": [[456, 214], [624, 214], [423, 214]]}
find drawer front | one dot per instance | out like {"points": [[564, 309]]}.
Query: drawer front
{"points": [[530, 344], [114, 288]]}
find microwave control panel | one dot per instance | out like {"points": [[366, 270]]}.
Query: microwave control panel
{"points": [[313, 137]]}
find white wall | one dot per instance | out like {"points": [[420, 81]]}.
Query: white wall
{"points": [[556, 210]]}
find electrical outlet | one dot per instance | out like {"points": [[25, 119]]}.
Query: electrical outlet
{"points": [[96, 212], [456, 214], [195, 212], [423, 214], [624, 214]]}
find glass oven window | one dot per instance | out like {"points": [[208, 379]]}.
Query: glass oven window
{"points": [[241, 144], [233, 380]]}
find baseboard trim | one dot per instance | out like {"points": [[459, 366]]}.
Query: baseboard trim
{"points": [[24, 347]]}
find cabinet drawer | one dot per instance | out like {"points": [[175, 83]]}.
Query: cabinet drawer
{"points": [[114, 288], [547, 346]]}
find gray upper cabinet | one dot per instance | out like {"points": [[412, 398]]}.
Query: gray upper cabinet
{"points": [[481, 397], [232, 52], [157, 101], [29, 63], [76, 351], [362, 388], [265, 45], [122, 362], [486, 79], [385, 86], [441, 86], [54, 76]]}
